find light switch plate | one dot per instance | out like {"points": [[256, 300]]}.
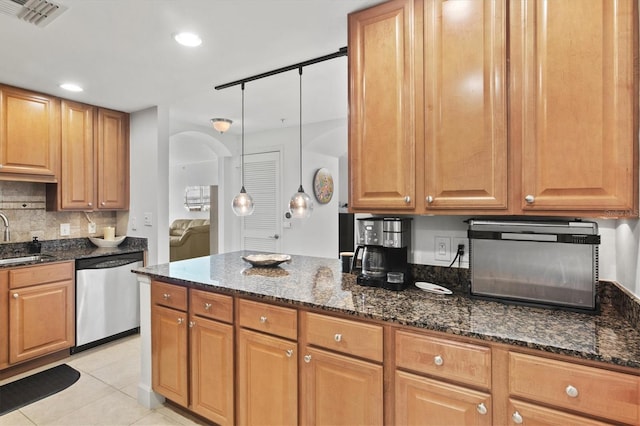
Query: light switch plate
{"points": [[65, 229], [148, 219], [91, 228]]}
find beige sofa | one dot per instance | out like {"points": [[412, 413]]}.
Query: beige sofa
{"points": [[189, 238]]}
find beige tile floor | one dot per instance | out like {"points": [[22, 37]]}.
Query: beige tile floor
{"points": [[105, 394]]}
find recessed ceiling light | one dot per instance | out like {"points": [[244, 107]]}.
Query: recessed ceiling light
{"points": [[188, 39], [71, 87]]}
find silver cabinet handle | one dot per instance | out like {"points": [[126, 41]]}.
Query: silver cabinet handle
{"points": [[529, 199], [437, 360], [90, 204], [289, 353], [307, 359], [571, 391], [482, 409], [337, 337], [263, 319], [16, 295], [166, 296], [517, 418], [192, 324], [207, 306], [407, 199], [429, 199], [180, 320], [103, 203]]}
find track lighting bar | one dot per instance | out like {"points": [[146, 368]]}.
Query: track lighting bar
{"points": [[341, 52]]}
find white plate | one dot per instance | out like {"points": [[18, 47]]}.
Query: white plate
{"points": [[267, 259], [101, 242], [433, 288]]}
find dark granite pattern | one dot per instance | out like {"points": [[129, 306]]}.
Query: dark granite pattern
{"points": [[70, 249], [319, 283]]}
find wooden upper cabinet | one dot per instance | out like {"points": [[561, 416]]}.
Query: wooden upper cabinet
{"points": [[574, 106], [29, 135], [381, 107], [112, 160], [465, 105]]}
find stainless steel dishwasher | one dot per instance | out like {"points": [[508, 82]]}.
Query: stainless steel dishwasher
{"points": [[107, 299]]}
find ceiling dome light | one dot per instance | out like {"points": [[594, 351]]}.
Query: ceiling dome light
{"points": [[71, 87], [221, 124], [188, 39]]}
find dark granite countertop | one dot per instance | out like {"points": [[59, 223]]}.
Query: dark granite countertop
{"points": [[68, 249], [320, 283]]}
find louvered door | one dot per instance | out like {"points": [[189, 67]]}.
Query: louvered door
{"points": [[262, 230]]}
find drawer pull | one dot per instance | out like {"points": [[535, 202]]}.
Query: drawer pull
{"points": [[482, 409], [429, 199], [307, 359], [529, 199], [407, 199], [289, 353], [166, 296], [517, 418], [263, 319], [16, 295], [337, 337], [207, 306], [571, 391], [437, 360], [180, 320], [192, 324]]}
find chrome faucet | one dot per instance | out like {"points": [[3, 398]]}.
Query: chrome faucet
{"points": [[7, 233]]}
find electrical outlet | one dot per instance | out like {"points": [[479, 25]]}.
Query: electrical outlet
{"points": [[134, 223], [65, 229], [464, 242], [91, 228], [148, 219], [443, 248]]}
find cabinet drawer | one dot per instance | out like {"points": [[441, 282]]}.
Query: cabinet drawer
{"points": [[40, 274], [462, 362], [576, 387], [169, 295], [211, 305], [268, 318], [350, 337], [534, 414]]}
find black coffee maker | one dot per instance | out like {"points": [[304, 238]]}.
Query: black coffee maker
{"points": [[384, 243]]}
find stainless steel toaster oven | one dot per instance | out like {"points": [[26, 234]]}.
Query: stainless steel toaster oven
{"points": [[552, 262]]}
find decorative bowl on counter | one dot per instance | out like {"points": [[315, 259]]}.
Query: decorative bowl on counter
{"points": [[267, 259], [101, 242]]}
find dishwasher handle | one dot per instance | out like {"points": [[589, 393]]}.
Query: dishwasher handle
{"points": [[107, 262]]}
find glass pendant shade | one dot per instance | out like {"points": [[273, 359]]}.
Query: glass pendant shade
{"points": [[300, 205], [242, 204]]}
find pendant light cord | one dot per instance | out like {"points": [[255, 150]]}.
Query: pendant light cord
{"points": [[242, 155], [300, 72]]}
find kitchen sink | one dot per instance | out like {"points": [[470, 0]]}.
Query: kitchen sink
{"points": [[25, 259]]}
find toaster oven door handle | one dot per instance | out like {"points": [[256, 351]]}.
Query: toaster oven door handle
{"points": [[529, 237]]}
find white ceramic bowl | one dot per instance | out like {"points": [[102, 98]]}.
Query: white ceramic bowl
{"points": [[101, 242]]}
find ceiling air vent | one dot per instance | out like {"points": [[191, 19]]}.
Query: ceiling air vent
{"points": [[36, 12]]}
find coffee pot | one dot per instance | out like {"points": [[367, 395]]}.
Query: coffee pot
{"points": [[373, 262]]}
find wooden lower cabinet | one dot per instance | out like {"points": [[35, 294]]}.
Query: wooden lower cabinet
{"points": [[423, 401], [211, 360], [340, 390], [522, 413], [169, 358], [41, 311], [192, 362], [267, 380]]}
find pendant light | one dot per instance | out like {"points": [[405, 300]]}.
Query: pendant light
{"points": [[242, 204], [300, 205]]}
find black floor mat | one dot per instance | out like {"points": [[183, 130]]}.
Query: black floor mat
{"points": [[30, 389]]}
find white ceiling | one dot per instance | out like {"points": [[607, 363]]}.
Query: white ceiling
{"points": [[123, 54]]}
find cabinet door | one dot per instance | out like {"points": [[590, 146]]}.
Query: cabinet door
{"points": [[76, 186], [41, 320], [422, 401], [339, 390], [535, 415], [381, 107], [169, 354], [29, 134], [211, 355], [112, 160], [267, 380], [574, 105], [465, 104]]}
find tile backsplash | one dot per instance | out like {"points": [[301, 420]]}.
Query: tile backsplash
{"points": [[24, 205]]}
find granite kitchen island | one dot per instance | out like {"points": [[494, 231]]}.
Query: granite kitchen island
{"points": [[317, 286]]}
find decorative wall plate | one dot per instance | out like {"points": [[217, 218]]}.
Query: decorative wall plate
{"points": [[323, 186]]}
